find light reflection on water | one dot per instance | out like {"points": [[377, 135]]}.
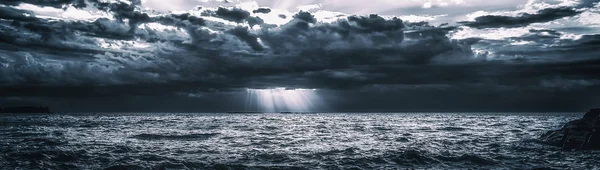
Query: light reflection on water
{"points": [[305, 141]]}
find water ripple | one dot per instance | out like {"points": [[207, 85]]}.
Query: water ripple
{"points": [[175, 137], [286, 141]]}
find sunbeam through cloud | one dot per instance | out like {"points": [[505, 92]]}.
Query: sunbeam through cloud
{"points": [[283, 100]]}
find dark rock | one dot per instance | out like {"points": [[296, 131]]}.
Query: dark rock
{"points": [[592, 114], [577, 134], [25, 109]]}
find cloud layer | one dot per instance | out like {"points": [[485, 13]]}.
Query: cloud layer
{"points": [[131, 51]]}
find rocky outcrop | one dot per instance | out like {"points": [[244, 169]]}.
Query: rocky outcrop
{"points": [[578, 134], [25, 109]]}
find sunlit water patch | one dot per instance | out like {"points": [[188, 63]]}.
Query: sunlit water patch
{"points": [[285, 141]]}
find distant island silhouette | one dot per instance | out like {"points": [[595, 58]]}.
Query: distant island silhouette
{"points": [[25, 109]]}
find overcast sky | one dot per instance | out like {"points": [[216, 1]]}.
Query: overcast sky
{"points": [[303, 55]]}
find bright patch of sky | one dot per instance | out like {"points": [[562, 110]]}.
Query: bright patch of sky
{"points": [[70, 13]]}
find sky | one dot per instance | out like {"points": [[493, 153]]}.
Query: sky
{"points": [[300, 56]]}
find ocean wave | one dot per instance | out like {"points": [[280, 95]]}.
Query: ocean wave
{"points": [[452, 128], [44, 141], [197, 136], [468, 158], [415, 158], [125, 167], [327, 141], [347, 151], [48, 156]]}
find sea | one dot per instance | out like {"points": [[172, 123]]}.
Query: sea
{"points": [[286, 141]]}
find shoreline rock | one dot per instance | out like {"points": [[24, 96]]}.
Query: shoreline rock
{"points": [[581, 134]]}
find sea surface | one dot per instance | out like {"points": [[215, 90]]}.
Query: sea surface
{"points": [[286, 141]]}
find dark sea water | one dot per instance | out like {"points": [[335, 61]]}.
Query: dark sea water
{"points": [[286, 141]]}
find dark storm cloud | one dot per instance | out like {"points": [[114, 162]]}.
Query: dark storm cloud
{"points": [[55, 52], [587, 3], [102, 28], [234, 14], [122, 10], [180, 20], [375, 23], [544, 46], [126, 57], [252, 21], [524, 19], [46, 37], [367, 40], [262, 10], [244, 35], [308, 47], [306, 17], [48, 3], [60, 28], [360, 32], [16, 14]]}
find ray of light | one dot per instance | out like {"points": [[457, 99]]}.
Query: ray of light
{"points": [[283, 99]]}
